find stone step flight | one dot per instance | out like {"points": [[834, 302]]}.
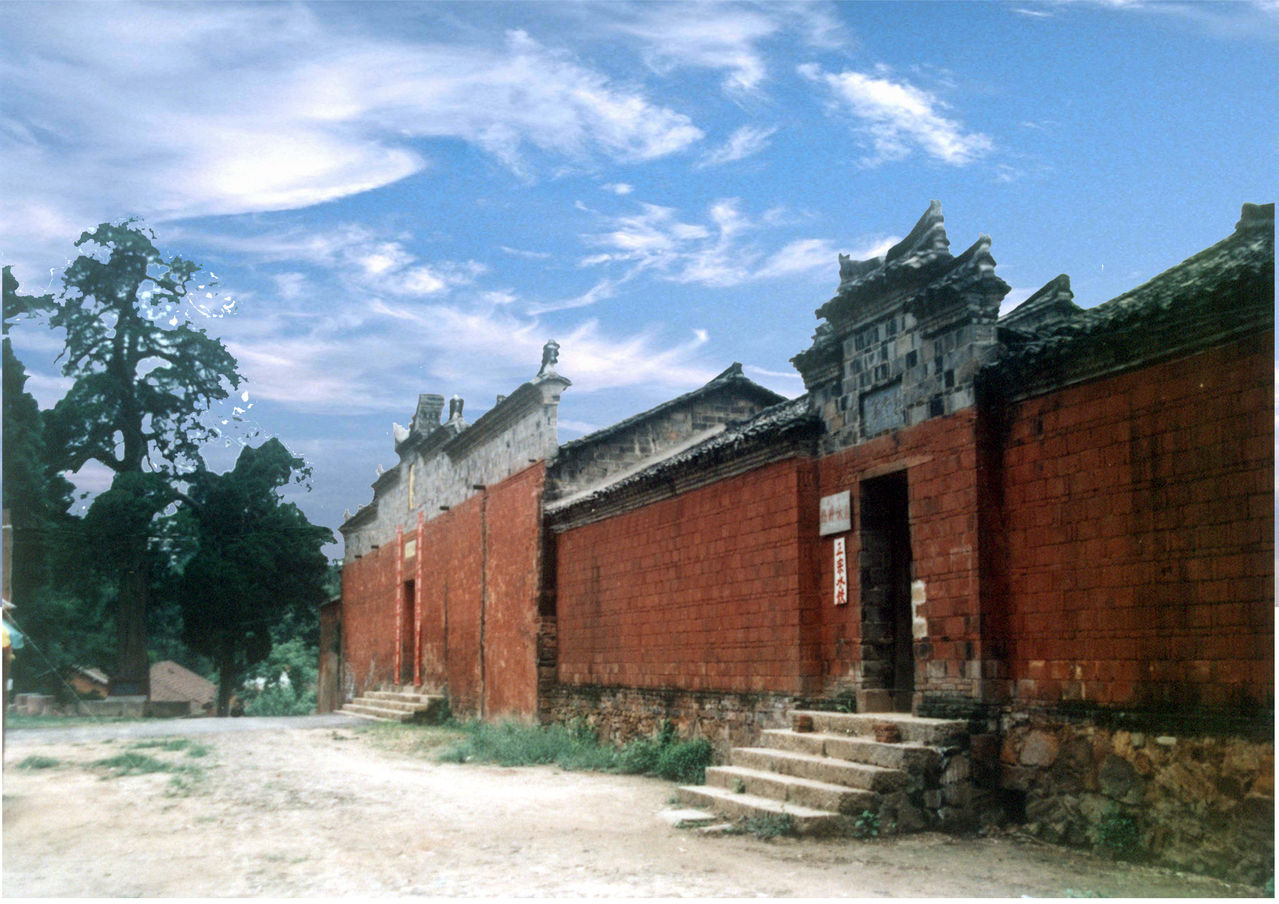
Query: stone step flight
{"points": [[842, 773]]}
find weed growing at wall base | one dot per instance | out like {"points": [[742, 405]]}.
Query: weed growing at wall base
{"points": [[575, 747]]}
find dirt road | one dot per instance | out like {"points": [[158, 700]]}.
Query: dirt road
{"points": [[363, 810]]}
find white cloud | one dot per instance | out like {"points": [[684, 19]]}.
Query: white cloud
{"points": [[619, 188], [232, 108], [406, 324], [898, 118], [721, 36], [361, 258], [744, 142], [1014, 297], [729, 249]]}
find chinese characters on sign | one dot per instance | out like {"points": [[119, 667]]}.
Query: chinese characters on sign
{"points": [[836, 514], [841, 573]]}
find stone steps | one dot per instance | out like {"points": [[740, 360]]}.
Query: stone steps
{"points": [[399, 705], [806, 820], [906, 769], [806, 792]]}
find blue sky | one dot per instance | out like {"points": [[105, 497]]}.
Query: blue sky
{"points": [[413, 197]]}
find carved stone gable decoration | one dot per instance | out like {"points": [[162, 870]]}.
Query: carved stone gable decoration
{"points": [[904, 336]]}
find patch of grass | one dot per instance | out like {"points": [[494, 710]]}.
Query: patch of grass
{"points": [[185, 782], [684, 762], [39, 762], [133, 763], [199, 750], [162, 744], [575, 747]]}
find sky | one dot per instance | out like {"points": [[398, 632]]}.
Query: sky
{"points": [[396, 197]]}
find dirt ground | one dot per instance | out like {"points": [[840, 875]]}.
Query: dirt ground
{"points": [[366, 810]]}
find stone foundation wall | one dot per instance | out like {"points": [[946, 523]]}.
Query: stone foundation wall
{"points": [[1198, 803], [622, 714]]}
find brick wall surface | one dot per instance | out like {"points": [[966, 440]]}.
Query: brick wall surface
{"points": [[368, 618], [939, 460], [1139, 527], [477, 570], [702, 591], [512, 588]]}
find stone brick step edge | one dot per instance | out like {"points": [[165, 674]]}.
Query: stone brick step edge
{"points": [[820, 768], [916, 729], [379, 713], [804, 820], [907, 756], [417, 703], [793, 789]]}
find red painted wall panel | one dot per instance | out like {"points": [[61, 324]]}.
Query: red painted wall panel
{"points": [[1139, 523], [702, 591]]}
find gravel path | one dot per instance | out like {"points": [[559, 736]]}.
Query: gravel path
{"points": [[330, 806]]}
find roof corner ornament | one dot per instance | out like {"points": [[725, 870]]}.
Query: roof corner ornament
{"points": [[550, 357], [455, 408], [400, 433]]}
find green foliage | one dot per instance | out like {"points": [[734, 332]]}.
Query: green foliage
{"points": [[39, 762], [576, 747], [133, 763], [1118, 834], [162, 744], [866, 825], [277, 697], [143, 375], [684, 761], [258, 562]]}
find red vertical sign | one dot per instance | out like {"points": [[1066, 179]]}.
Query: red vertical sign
{"points": [[841, 573]]}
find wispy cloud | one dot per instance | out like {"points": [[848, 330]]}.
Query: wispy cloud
{"points": [[744, 142], [232, 108], [729, 248], [405, 321], [899, 119], [724, 37]]}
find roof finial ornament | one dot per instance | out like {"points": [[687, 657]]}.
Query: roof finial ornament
{"points": [[455, 408], [550, 357]]}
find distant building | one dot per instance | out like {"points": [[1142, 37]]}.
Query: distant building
{"points": [[171, 683]]}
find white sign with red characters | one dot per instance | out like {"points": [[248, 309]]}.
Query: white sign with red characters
{"points": [[836, 514], [841, 573]]}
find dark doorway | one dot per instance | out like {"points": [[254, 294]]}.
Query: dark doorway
{"points": [[407, 633], [888, 656]]}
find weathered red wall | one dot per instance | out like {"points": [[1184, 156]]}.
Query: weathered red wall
{"points": [[709, 590], [513, 586], [939, 457], [477, 566], [368, 617], [1139, 523]]}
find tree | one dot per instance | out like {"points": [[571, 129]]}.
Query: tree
{"points": [[142, 379], [258, 561]]}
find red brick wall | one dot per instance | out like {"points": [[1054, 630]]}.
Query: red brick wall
{"points": [[939, 457], [368, 617], [477, 567], [513, 587], [703, 591], [1139, 518]]}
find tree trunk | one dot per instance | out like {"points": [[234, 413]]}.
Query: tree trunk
{"points": [[228, 678], [133, 671]]}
